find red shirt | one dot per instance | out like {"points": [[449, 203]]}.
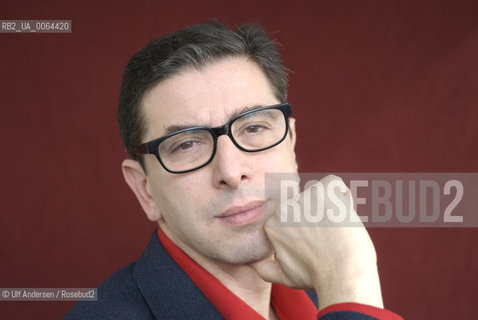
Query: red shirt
{"points": [[288, 303]]}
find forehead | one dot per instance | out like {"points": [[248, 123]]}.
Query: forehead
{"points": [[208, 96]]}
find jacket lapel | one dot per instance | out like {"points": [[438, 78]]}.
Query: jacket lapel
{"points": [[167, 289]]}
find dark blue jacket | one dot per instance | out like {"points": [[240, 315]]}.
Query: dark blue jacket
{"points": [[155, 287]]}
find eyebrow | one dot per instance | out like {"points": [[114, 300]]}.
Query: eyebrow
{"points": [[181, 126]]}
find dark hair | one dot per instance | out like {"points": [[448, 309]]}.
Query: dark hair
{"points": [[192, 47]]}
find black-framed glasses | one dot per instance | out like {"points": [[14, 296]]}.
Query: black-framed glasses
{"points": [[193, 148]]}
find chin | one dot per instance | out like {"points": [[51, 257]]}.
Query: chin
{"points": [[250, 252]]}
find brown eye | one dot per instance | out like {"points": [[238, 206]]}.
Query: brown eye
{"points": [[185, 146], [253, 129]]}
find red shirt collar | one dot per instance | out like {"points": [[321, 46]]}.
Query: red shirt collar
{"points": [[288, 303]]}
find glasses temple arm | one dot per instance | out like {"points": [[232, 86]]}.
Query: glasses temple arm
{"points": [[141, 149]]}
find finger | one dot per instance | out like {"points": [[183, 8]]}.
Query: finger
{"points": [[269, 271]]}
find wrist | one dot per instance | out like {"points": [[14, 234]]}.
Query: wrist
{"points": [[363, 288]]}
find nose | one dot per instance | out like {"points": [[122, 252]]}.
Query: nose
{"points": [[231, 165]]}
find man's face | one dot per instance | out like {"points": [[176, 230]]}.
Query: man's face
{"points": [[216, 212]]}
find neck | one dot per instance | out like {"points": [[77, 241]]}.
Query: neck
{"points": [[244, 282], [240, 279]]}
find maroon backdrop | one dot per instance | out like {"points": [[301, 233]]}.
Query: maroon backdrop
{"points": [[375, 86]]}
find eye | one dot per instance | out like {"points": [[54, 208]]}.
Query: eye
{"points": [[187, 145], [253, 128]]}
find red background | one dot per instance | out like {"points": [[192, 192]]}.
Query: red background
{"points": [[375, 86]]}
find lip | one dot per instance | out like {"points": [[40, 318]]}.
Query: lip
{"points": [[243, 214]]}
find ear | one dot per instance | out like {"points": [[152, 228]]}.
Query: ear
{"points": [[293, 138], [137, 180], [292, 131]]}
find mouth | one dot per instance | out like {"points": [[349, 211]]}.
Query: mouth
{"points": [[243, 214]]}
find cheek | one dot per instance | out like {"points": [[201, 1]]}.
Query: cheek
{"points": [[179, 199], [279, 159], [289, 154]]}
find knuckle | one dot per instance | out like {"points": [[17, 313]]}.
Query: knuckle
{"points": [[329, 178]]}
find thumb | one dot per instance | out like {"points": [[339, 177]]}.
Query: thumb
{"points": [[270, 271]]}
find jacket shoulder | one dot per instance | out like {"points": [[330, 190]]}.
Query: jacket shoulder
{"points": [[118, 298]]}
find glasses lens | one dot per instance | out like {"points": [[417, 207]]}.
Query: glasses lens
{"points": [[186, 150], [260, 129]]}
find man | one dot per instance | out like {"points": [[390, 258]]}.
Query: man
{"points": [[203, 115]]}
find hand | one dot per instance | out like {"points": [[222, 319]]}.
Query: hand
{"points": [[336, 260]]}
